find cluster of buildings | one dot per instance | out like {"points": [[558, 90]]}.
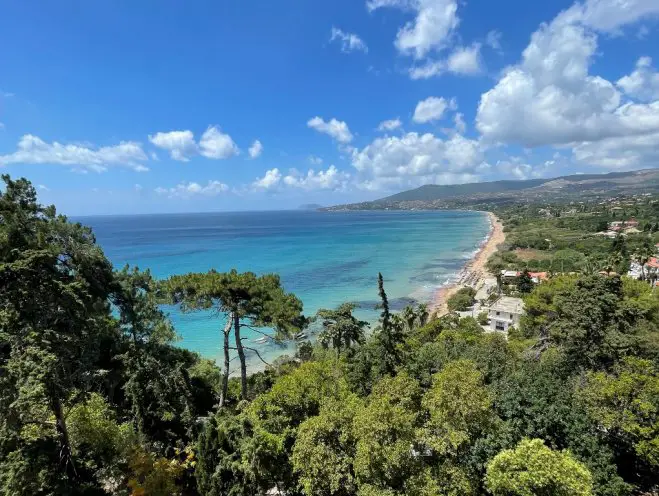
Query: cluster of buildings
{"points": [[629, 226]]}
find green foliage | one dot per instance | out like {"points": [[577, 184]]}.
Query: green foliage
{"points": [[532, 469], [460, 408], [626, 406], [325, 448], [385, 430], [462, 300], [340, 328], [96, 400]]}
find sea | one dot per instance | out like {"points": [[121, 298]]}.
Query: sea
{"points": [[325, 258]]}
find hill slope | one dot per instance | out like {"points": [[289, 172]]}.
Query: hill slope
{"points": [[565, 188]]}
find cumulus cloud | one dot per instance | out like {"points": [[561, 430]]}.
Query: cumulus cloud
{"points": [[390, 125], [33, 150], [619, 153], [181, 145], [434, 23], [270, 180], [315, 160], [610, 15], [550, 98], [643, 83], [465, 60], [330, 179], [432, 109], [336, 129], [413, 156], [256, 149], [349, 42], [190, 189], [217, 145]]}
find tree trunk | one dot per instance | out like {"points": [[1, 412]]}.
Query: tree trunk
{"points": [[66, 455], [241, 357], [225, 374]]}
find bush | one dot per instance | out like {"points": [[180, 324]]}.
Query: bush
{"points": [[482, 318], [462, 300]]}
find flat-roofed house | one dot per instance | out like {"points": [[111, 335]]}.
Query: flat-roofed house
{"points": [[505, 312]]}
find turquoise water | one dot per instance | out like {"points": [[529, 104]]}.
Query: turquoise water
{"points": [[325, 258]]}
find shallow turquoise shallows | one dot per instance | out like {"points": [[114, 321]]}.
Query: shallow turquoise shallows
{"points": [[325, 258]]}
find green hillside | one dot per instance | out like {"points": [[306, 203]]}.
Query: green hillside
{"points": [[564, 188]]}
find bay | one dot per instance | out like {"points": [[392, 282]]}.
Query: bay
{"points": [[325, 258]]}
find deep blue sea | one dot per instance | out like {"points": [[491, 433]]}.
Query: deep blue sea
{"points": [[325, 258]]}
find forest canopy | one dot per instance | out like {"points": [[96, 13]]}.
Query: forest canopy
{"points": [[100, 399]]}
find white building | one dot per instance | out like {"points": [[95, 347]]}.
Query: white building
{"points": [[505, 312]]}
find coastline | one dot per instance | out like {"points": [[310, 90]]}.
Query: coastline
{"points": [[474, 272]]}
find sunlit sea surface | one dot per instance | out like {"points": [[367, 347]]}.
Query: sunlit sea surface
{"points": [[325, 258]]}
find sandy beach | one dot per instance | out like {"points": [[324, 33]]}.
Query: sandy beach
{"points": [[474, 272]]}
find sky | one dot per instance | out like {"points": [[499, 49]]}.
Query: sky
{"points": [[119, 107]]}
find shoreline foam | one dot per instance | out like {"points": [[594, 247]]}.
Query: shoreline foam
{"points": [[474, 272]]}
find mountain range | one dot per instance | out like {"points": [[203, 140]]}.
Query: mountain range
{"points": [[476, 195]]}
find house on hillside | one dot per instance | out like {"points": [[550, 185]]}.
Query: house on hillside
{"points": [[538, 277], [505, 313], [509, 276]]}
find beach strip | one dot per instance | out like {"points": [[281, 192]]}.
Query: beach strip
{"points": [[474, 272]]}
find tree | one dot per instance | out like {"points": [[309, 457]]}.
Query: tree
{"points": [[389, 335], [643, 254], [532, 469], [54, 287], [324, 449], [524, 282], [340, 327], [459, 406], [462, 300], [625, 405], [245, 300], [385, 430]]}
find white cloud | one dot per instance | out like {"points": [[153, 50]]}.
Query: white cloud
{"points": [[390, 125], [33, 150], [330, 179], [350, 42], [256, 149], [493, 40], [315, 160], [428, 70], [217, 145], [550, 97], [179, 144], [610, 15], [270, 180], [643, 83], [620, 153], [434, 24], [189, 189], [43, 187], [405, 159], [460, 125], [465, 60], [432, 109], [336, 129]]}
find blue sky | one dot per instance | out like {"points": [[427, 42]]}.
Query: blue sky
{"points": [[122, 106]]}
